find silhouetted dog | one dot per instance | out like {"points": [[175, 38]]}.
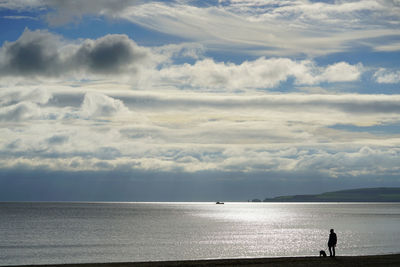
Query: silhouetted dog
{"points": [[322, 253]]}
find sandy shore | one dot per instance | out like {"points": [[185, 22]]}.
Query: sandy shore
{"points": [[378, 260]]}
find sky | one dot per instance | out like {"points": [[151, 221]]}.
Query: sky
{"points": [[191, 100]]}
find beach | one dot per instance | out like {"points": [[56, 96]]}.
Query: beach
{"points": [[374, 260]]}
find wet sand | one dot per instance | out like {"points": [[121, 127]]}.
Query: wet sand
{"points": [[376, 260]]}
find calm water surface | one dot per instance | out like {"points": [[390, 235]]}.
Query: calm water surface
{"points": [[44, 233]]}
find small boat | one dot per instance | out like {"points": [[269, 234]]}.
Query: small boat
{"points": [[219, 202]]}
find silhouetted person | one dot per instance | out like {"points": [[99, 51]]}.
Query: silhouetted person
{"points": [[332, 243]]}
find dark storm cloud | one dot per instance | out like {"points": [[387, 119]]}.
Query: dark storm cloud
{"points": [[110, 54], [40, 53], [31, 58], [32, 54]]}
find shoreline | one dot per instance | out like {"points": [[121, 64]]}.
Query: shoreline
{"points": [[370, 260]]}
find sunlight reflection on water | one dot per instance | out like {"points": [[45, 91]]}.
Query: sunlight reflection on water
{"points": [[37, 233]]}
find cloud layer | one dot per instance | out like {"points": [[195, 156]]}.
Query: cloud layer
{"points": [[73, 109], [230, 93], [39, 54], [87, 129], [255, 27]]}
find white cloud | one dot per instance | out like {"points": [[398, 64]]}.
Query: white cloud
{"points": [[260, 73], [394, 46], [18, 94], [21, 4], [361, 161], [99, 105], [20, 17], [19, 111], [109, 129], [272, 27], [183, 50], [354, 161], [341, 72], [385, 76]]}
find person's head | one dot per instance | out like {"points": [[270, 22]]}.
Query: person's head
{"points": [[331, 230]]}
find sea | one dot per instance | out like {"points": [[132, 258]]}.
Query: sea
{"points": [[78, 232]]}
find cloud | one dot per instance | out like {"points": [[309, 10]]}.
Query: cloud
{"points": [[354, 161], [21, 5], [20, 94], [341, 72], [110, 54], [57, 139], [33, 53], [189, 132], [99, 105], [65, 11], [272, 28], [183, 50], [358, 104], [91, 102], [18, 112], [111, 105], [20, 17], [363, 161], [62, 12], [394, 46], [40, 53], [385, 76], [260, 73]]}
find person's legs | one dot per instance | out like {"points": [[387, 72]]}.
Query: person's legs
{"points": [[333, 249], [330, 251]]}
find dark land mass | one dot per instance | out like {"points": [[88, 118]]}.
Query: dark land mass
{"points": [[380, 194], [350, 261]]}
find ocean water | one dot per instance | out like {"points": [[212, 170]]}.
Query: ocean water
{"points": [[46, 233]]}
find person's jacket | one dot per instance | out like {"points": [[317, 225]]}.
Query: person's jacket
{"points": [[332, 239]]}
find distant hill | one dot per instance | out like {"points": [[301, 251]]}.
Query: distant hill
{"points": [[380, 194]]}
